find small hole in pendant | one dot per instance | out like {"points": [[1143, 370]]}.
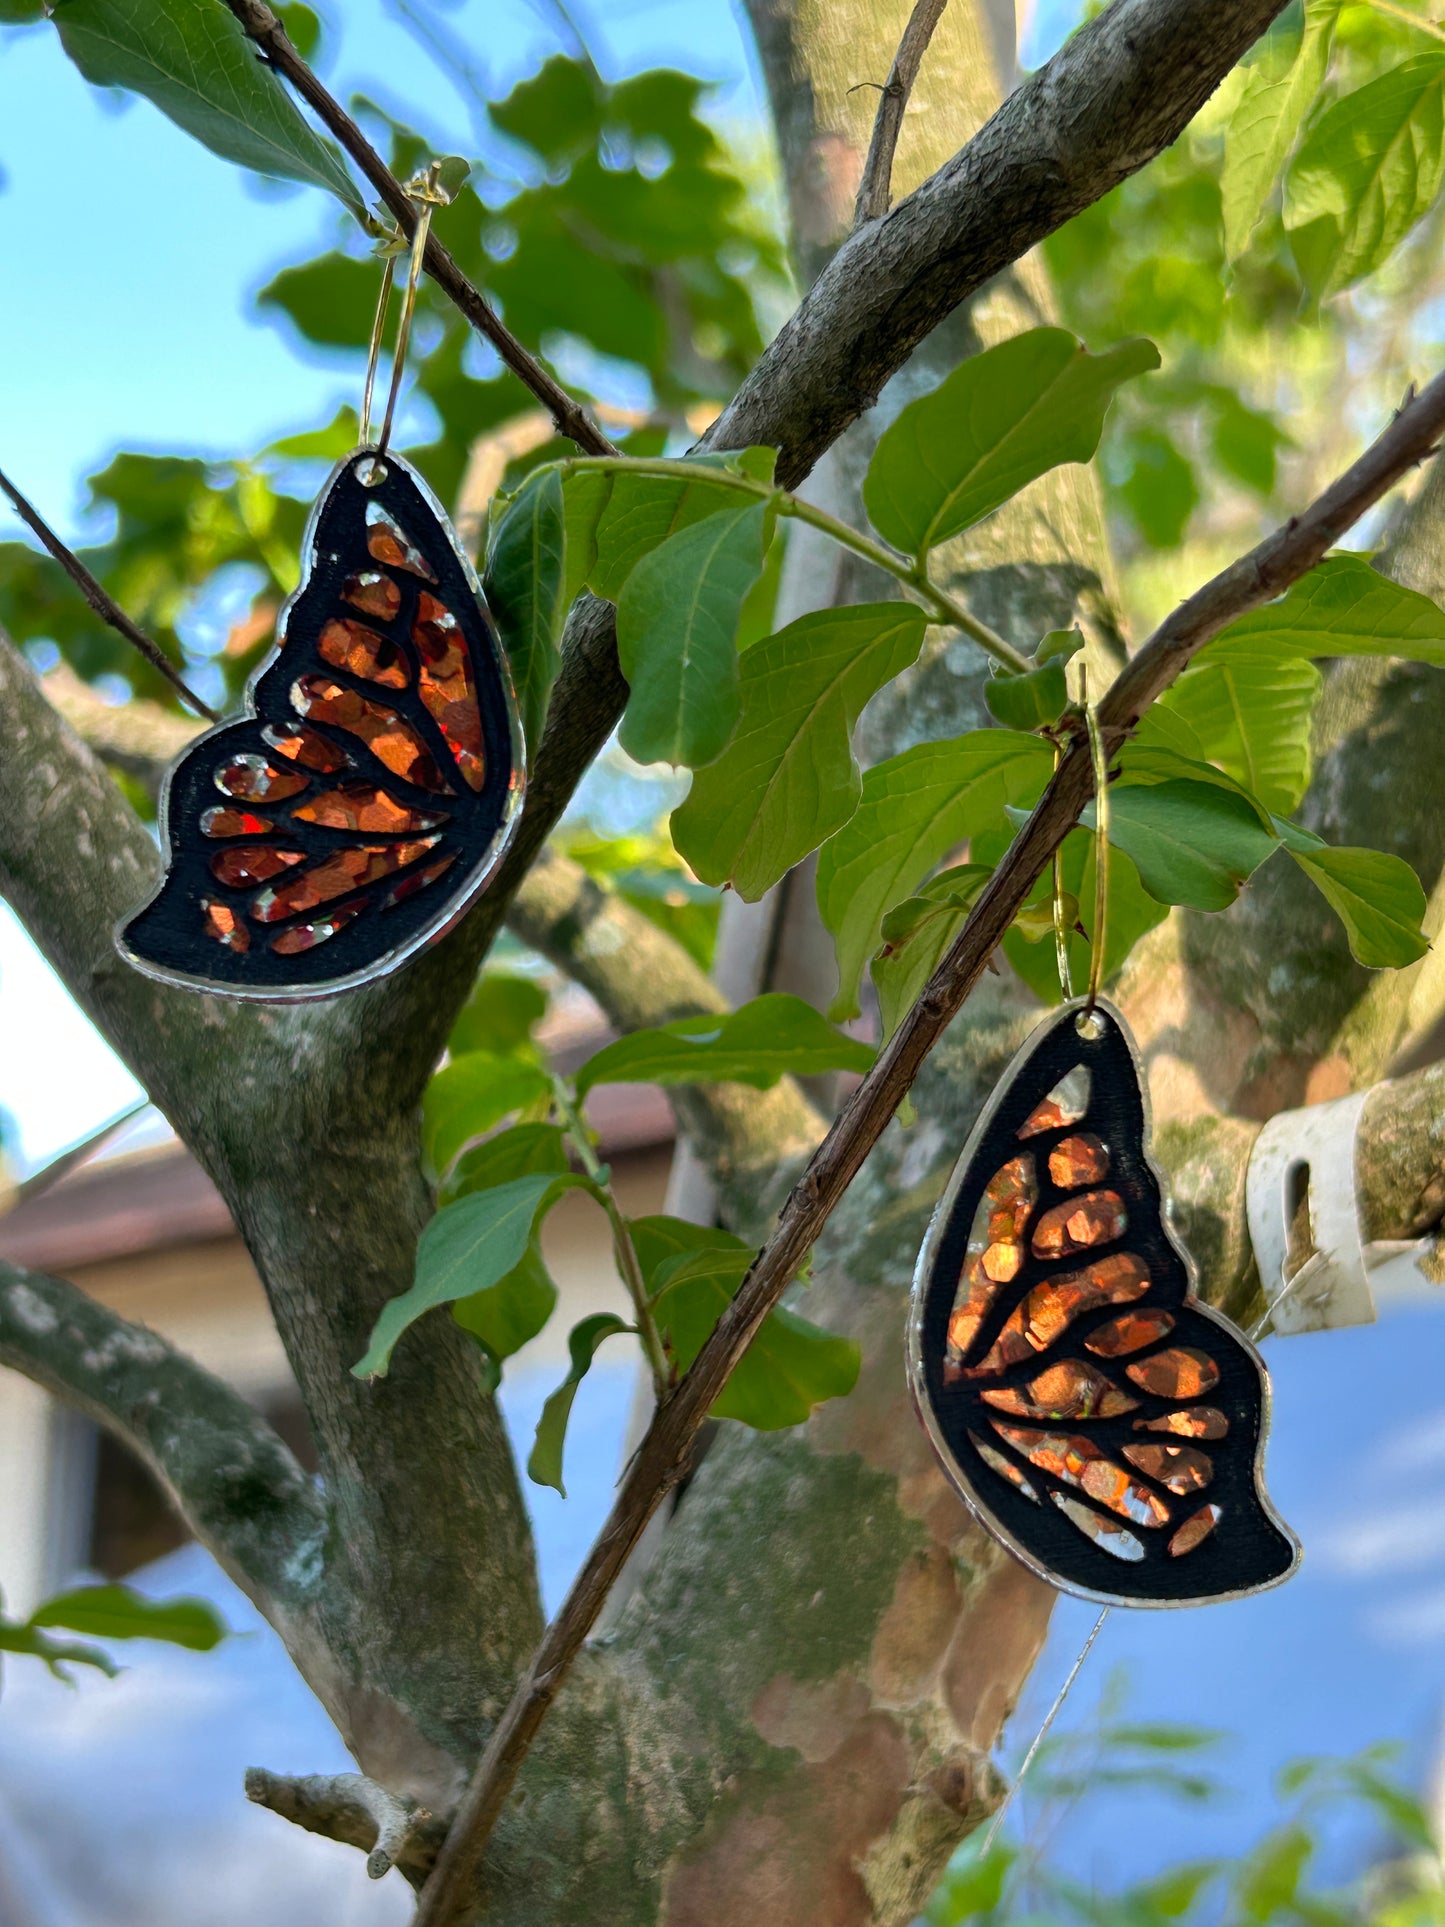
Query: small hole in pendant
{"points": [[370, 472], [1089, 1024]]}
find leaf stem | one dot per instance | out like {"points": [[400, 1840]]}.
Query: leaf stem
{"points": [[628, 1263], [1411, 19], [910, 571]]}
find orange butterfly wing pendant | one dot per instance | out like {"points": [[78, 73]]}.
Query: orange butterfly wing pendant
{"points": [[1096, 1417], [368, 795]]}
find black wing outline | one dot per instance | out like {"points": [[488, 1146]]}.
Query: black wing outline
{"points": [[166, 938], [1250, 1548]]}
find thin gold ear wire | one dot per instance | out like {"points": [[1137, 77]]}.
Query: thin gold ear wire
{"points": [[1061, 927], [1099, 933], [374, 352], [408, 307]]}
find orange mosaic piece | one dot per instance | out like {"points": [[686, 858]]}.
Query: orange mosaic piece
{"points": [[1081, 1463], [1181, 1372], [251, 779], [1079, 1160], [1198, 1422], [1066, 1103], [1098, 1218], [1070, 1389], [1182, 1468], [389, 737], [445, 683], [408, 886], [1048, 1311], [995, 1251], [335, 876], [374, 594], [256, 863], [306, 936], [360, 806], [222, 822], [387, 542], [348, 644], [1196, 1530], [1131, 1333], [220, 921], [308, 747]]}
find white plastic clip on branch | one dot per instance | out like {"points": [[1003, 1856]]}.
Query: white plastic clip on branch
{"points": [[1300, 1156]]}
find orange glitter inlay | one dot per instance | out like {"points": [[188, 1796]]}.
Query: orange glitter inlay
{"points": [[446, 687], [222, 822], [1048, 1311], [1131, 1333], [1066, 1103], [1182, 1468], [373, 593], [254, 864], [357, 806], [253, 780], [1086, 1465], [350, 645], [1071, 1389], [388, 543], [1177, 1373], [995, 1252], [1194, 1531], [1198, 1422], [1078, 1160], [220, 921], [306, 936], [338, 873], [1096, 1219], [408, 886], [308, 747], [389, 737]]}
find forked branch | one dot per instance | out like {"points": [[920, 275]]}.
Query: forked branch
{"points": [[271, 37], [662, 1458], [876, 187]]}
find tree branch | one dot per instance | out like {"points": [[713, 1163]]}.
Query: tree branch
{"points": [[391, 1832], [275, 44], [102, 602], [249, 1501], [662, 1458], [1121, 89], [875, 188]]}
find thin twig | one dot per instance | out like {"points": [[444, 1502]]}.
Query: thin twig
{"points": [[875, 190], [271, 37], [103, 603], [662, 1458]]}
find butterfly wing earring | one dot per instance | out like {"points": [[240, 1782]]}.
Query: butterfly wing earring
{"points": [[1095, 1415], [366, 798]]}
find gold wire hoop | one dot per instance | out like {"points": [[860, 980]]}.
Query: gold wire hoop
{"points": [[425, 193], [1061, 927], [1099, 932]]}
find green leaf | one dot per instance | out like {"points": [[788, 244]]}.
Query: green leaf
{"points": [[787, 780], [1377, 897], [915, 810], [557, 112], [773, 1036], [677, 620], [1032, 699], [1269, 1879], [1193, 843], [57, 1653], [468, 1249], [1059, 645], [995, 424], [916, 933], [1264, 125], [1159, 489], [791, 1365], [118, 1612], [1251, 715], [503, 1316], [499, 1016], [193, 60], [1131, 913], [1369, 168], [526, 574], [633, 513], [544, 1464], [1343, 607], [510, 1154], [469, 1096]]}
